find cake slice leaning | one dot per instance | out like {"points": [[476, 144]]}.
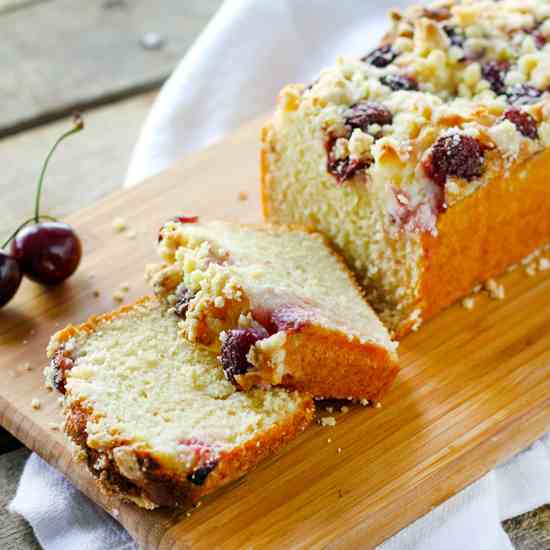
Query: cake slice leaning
{"points": [[278, 305], [153, 415]]}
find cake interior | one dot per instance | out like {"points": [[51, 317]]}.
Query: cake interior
{"points": [[266, 270]]}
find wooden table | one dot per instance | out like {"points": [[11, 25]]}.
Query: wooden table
{"points": [[77, 178]]}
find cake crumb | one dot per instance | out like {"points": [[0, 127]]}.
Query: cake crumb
{"points": [[330, 410], [242, 196], [378, 405], [339, 450], [36, 404], [96, 293], [328, 421], [119, 224], [468, 303], [344, 409], [495, 290], [531, 270], [188, 514], [329, 440], [118, 296], [124, 287], [544, 264], [364, 402]]}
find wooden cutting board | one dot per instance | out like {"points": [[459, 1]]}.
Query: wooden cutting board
{"points": [[474, 387]]}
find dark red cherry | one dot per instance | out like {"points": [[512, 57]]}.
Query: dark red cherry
{"points": [[381, 57], [454, 155], [235, 347], [48, 252], [10, 277], [399, 82], [495, 73], [523, 121]]}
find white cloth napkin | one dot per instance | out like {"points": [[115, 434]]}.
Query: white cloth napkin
{"points": [[233, 72]]}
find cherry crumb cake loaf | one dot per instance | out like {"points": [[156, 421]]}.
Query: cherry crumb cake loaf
{"points": [[278, 306], [152, 414], [426, 161]]}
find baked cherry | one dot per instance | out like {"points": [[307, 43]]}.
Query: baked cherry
{"points": [[495, 73], [454, 155], [48, 252], [10, 277], [363, 114], [399, 82], [235, 346], [381, 57], [523, 121]]}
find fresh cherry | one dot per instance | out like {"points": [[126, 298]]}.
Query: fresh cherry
{"points": [[10, 277], [48, 252]]}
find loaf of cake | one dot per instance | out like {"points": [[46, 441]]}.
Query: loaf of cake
{"points": [[425, 161], [277, 304], [152, 414]]}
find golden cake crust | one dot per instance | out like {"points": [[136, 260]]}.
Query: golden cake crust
{"points": [[325, 363], [155, 485]]}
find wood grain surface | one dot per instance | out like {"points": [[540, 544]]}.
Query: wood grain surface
{"points": [[474, 389], [61, 55]]}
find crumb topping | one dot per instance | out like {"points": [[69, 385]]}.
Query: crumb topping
{"points": [[478, 71]]}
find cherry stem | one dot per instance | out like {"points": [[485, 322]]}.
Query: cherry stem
{"points": [[25, 223], [77, 126]]}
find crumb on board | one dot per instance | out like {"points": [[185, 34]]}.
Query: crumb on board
{"points": [[495, 290], [468, 303], [243, 195], [339, 450], [344, 409], [328, 421], [378, 405], [96, 293], [36, 403], [124, 287], [119, 224], [329, 440], [131, 234], [364, 402], [544, 264], [25, 367]]}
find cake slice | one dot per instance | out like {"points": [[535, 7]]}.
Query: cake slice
{"points": [[153, 415], [426, 161], [278, 305]]}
